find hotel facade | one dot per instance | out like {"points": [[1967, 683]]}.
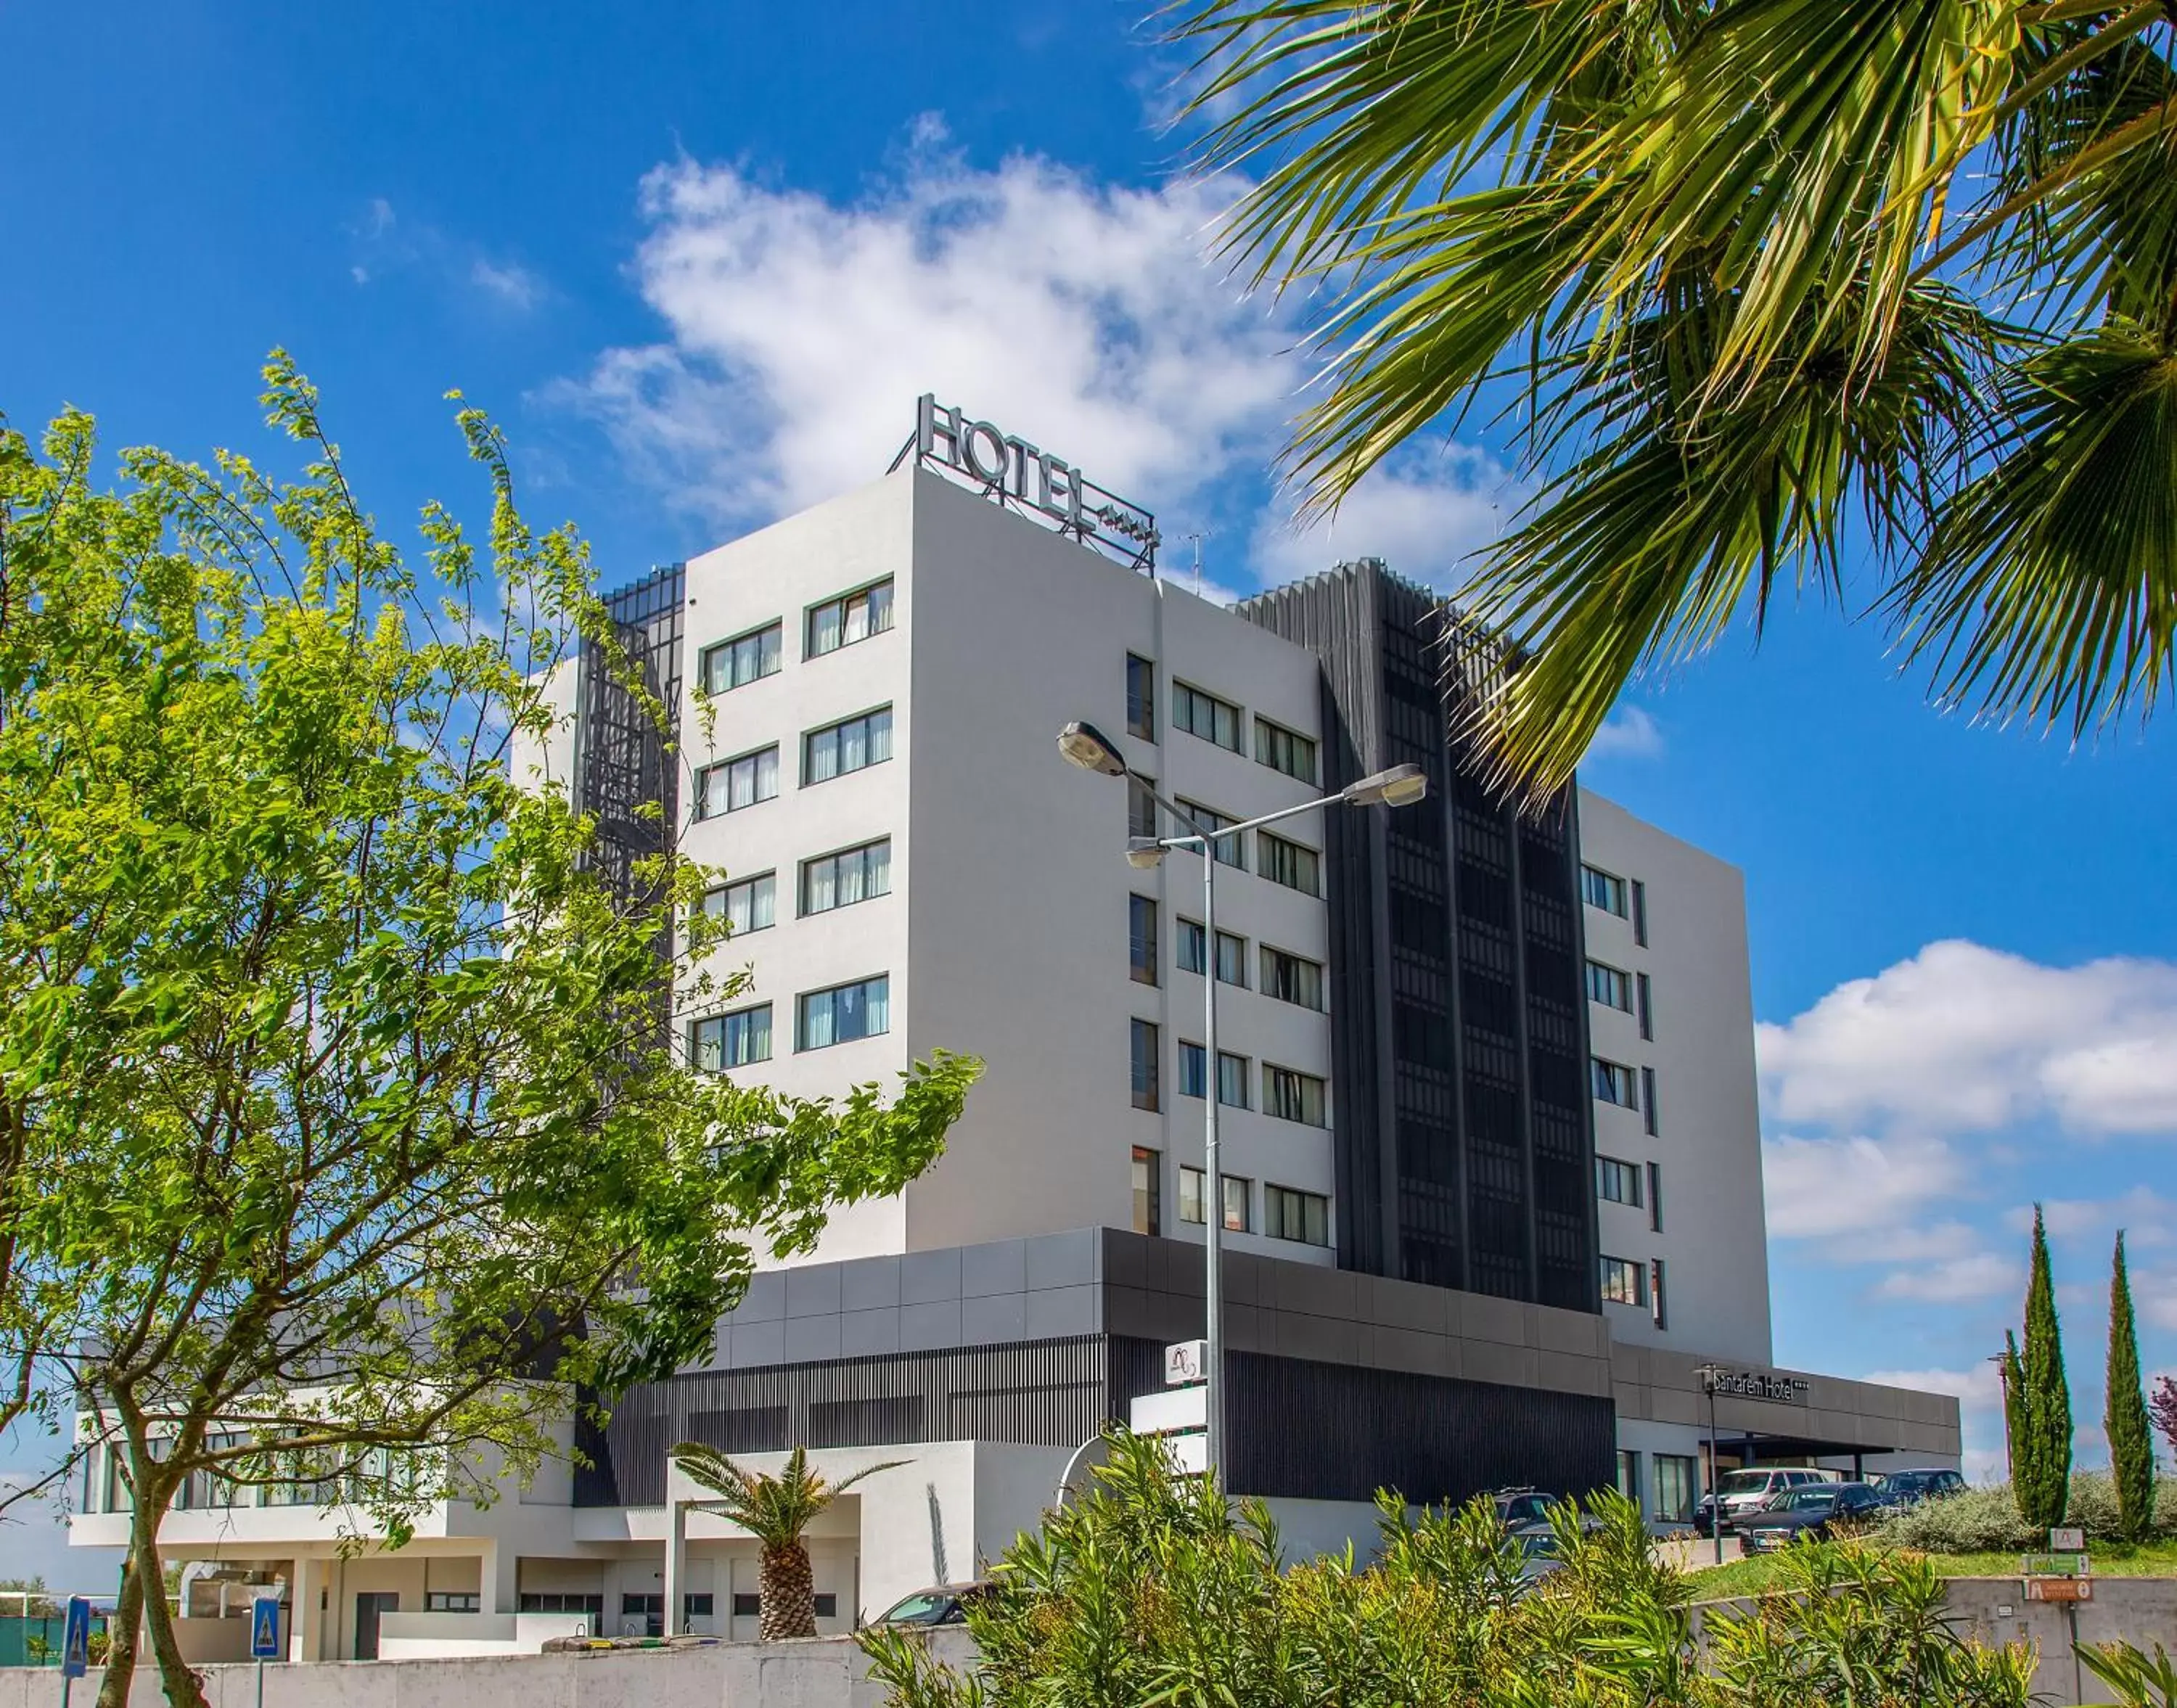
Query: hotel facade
{"points": [[1493, 1197]]}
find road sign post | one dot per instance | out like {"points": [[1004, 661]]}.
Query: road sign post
{"points": [[263, 1637], [75, 1644]]}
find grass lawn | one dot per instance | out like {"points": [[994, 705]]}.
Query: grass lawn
{"points": [[1750, 1577]]}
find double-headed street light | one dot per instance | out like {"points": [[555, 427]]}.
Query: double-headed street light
{"points": [[1085, 745]]}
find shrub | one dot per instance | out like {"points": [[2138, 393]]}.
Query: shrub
{"points": [[1987, 1520], [1152, 1591]]}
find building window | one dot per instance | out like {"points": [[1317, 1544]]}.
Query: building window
{"points": [[1205, 715], [1292, 1095], [451, 1600], [1149, 1190], [747, 906], [1674, 1487], [1647, 1008], [1141, 697], [1141, 807], [1142, 939], [1231, 953], [1239, 1200], [853, 875], [731, 1040], [739, 662], [1617, 1182], [1655, 1196], [845, 1012], [1231, 1075], [854, 616], [1284, 749], [1609, 987], [1624, 1281], [1190, 1194], [1601, 889], [560, 1601], [852, 745], [1145, 1053], [1614, 1082], [734, 784], [1291, 978], [1662, 1317], [1648, 1099], [1295, 1215], [1231, 850], [1640, 913], [1288, 863], [1629, 1474]]}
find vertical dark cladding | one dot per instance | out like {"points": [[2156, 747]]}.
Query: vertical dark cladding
{"points": [[1463, 1135], [622, 771]]}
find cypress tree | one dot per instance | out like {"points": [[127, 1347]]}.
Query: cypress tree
{"points": [[2132, 1447], [2014, 1415], [2040, 1460]]}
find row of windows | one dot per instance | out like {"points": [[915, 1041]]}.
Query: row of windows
{"points": [[1626, 898], [1630, 993], [1287, 1093], [839, 1015], [1202, 713], [827, 882], [1288, 1212], [1677, 1481], [1287, 977], [826, 628], [853, 744], [1279, 859]]}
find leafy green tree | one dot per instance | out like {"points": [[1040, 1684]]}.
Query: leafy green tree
{"points": [[1757, 289], [778, 1512], [2130, 1440], [2041, 1463], [348, 1146]]}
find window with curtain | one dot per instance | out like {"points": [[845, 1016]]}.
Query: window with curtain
{"points": [[1290, 1215], [746, 906], [853, 744], [1142, 939], [1143, 1046], [734, 784], [1292, 1095], [1206, 716], [845, 1012], [1291, 979], [720, 1041], [1288, 863], [1141, 697], [852, 617], [853, 875], [742, 660], [1284, 749]]}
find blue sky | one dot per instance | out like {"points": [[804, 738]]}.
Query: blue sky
{"points": [[699, 259]]}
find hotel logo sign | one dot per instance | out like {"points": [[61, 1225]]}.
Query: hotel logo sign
{"points": [[1019, 475], [1758, 1384]]}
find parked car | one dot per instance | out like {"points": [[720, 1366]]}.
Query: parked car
{"points": [[1809, 1512], [1742, 1492], [1518, 1508], [946, 1604], [1538, 1552], [1911, 1488]]}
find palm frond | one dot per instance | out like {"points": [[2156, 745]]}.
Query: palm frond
{"points": [[775, 1510]]}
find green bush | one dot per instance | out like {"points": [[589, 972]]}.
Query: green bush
{"points": [[1150, 1592], [1987, 1520]]}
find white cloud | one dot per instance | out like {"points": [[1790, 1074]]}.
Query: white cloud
{"points": [[1979, 1387], [1956, 1280], [1423, 512], [2144, 1213], [1963, 1038], [1630, 733], [513, 285], [1823, 1188]]}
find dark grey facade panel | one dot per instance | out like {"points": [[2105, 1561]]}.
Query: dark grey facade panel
{"points": [[1464, 1134], [1300, 1429]]}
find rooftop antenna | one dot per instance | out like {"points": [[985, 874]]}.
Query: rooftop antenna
{"points": [[1197, 538]]}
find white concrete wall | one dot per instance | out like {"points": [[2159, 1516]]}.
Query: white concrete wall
{"points": [[1714, 1237], [1019, 911]]}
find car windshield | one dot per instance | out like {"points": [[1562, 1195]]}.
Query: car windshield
{"points": [[1811, 1500], [916, 1610], [1744, 1483]]}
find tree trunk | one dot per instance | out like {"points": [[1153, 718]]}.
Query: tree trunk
{"points": [[183, 1684], [122, 1631], [787, 1591]]}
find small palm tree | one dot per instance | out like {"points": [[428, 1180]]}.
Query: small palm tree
{"points": [[775, 1510]]}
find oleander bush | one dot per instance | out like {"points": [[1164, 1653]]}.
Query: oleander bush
{"points": [[1150, 1592]]}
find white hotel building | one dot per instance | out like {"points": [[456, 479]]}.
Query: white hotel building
{"points": [[1487, 1085]]}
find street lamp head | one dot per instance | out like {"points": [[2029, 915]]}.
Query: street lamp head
{"points": [[1402, 785], [1709, 1374], [1083, 744], [1145, 852]]}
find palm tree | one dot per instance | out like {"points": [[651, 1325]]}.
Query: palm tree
{"points": [[1760, 286], [777, 1511]]}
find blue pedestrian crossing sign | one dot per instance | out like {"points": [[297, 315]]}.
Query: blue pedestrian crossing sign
{"points": [[265, 1628], [75, 1638]]}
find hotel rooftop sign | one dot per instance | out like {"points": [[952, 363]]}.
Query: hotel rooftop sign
{"points": [[1018, 475]]}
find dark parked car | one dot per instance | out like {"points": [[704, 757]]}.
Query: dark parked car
{"points": [[1517, 1508], [1911, 1488], [945, 1605], [1809, 1512]]}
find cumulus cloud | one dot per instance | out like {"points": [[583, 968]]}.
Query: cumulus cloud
{"points": [[1631, 731], [1089, 317], [388, 244], [1963, 1038], [1824, 1188], [1956, 1280], [515, 285], [2144, 1214]]}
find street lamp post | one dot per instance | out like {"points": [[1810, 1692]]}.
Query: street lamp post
{"points": [[1085, 745], [1709, 1374]]}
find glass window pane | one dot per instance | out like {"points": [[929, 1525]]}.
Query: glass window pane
{"points": [[1235, 1204], [880, 868], [880, 601], [879, 736], [824, 629], [771, 646], [762, 892]]}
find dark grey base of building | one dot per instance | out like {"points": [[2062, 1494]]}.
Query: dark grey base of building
{"points": [[1338, 1385]]}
